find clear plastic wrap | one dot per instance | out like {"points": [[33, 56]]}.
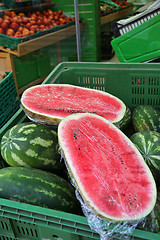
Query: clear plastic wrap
{"points": [[107, 230], [107, 226]]}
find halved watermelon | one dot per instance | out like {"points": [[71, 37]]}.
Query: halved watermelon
{"points": [[50, 103], [107, 169]]}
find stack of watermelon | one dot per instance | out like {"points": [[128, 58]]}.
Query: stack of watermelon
{"points": [[116, 180]]}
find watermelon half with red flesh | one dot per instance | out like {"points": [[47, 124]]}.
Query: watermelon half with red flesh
{"points": [[50, 103], [109, 172]]}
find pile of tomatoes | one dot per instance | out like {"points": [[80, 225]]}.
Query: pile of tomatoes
{"points": [[24, 24], [105, 8], [122, 3]]}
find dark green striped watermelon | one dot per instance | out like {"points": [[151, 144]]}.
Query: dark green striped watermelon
{"points": [[126, 120], [37, 187], [148, 143], [146, 117], [31, 145], [151, 223], [50, 103], [110, 174]]}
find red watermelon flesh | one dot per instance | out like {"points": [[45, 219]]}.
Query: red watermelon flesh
{"points": [[53, 102], [110, 173]]}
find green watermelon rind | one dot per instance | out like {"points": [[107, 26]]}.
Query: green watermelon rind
{"points": [[76, 182], [152, 222], [37, 187], [53, 120], [31, 145], [146, 117]]}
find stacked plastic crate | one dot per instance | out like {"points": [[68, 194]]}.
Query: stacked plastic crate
{"points": [[137, 38], [8, 99]]}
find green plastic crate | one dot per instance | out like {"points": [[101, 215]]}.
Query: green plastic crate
{"points": [[140, 44], [9, 102], [135, 84], [9, 112], [8, 92]]}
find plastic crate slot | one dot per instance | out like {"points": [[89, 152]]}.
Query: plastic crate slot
{"points": [[138, 90], [137, 101], [153, 81], [6, 238], [4, 225], [26, 229], [84, 81], [138, 81], [154, 102], [153, 91], [118, 28]]}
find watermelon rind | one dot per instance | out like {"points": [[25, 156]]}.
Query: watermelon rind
{"points": [[69, 156], [152, 222], [37, 187], [146, 118], [148, 143], [31, 144], [52, 119]]}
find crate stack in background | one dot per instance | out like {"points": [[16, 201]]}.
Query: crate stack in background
{"points": [[136, 39], [8, 98]]}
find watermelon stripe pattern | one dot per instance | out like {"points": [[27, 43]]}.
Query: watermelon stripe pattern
{"points": [[148, 143], [146, 117], [31, 145], [37, 187]]}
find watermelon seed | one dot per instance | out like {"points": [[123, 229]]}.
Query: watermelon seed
{"points": [[75, 136], [79, 149], [135, 198]]}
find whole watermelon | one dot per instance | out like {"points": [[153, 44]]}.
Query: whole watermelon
{"points": [[31, 145], [38, 187], [146, 117], [148, 144]]}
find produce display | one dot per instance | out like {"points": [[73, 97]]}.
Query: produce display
{"points": [[106, 8], [115, 155], [31, 145], [51, 103], [23, 24], [123, 3]]}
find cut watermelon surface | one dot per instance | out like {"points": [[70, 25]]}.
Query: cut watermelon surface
{"points": [[50, 103], [109, 172]]}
